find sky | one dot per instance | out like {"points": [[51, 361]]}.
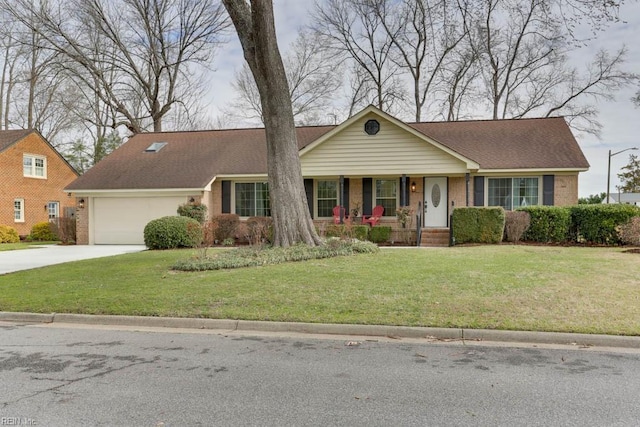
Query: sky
{"points": [[620, 118]]}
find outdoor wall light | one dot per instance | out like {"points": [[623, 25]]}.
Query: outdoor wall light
{"points": [[192, 200], [413, 186], [81, 203]]}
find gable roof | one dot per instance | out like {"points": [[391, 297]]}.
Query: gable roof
{"points": [[191, 160], [399, 123], [10, 137]]}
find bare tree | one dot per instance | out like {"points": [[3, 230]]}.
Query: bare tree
{"points": [[423, 35], [522, 47], [149, 52], [313, 78], [356, 33], [255, 26]]}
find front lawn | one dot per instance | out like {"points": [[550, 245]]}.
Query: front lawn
{"points": [[567, 289]]}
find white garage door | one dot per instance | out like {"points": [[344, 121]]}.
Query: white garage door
{"points": [[121, 220]]}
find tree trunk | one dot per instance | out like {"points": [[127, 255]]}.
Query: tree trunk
{"points": [[289, 210]]}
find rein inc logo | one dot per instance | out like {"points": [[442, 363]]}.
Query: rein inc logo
{"points": [[17, 421]]}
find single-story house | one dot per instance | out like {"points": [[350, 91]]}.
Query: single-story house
{"points": [[33, 175], [370, 159]]}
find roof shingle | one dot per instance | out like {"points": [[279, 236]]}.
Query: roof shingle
{"points": [[193, 159]]}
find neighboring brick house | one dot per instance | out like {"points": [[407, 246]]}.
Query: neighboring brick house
{"points": [[370, 159], [33, 176]]}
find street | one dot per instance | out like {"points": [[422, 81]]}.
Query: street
{"points": [[71, 375]]}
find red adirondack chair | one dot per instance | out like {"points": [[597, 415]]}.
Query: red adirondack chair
{"points": [[337, 211], [375, 217]]}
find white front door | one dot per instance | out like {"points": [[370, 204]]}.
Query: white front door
{"points": [[435, 202]]}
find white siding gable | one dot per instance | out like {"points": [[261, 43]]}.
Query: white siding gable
{"points": [[392, 151]]}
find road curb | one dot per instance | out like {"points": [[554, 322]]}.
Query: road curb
{"points": [[557, 338], [26, 317]]}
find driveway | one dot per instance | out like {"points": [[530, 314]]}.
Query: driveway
{"points": [[41, 256]]}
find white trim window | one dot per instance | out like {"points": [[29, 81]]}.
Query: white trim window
{"points": [[252, 199], [53, 210], [326, 197], [512, 193], [386, 194], [34, 166], [18, 210]]}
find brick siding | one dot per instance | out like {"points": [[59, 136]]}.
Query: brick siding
{"points": [[36, 192]]}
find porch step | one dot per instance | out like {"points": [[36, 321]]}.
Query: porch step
{"points": [[435, 237]]}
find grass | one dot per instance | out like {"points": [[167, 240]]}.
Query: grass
{"points": [[22, 245], [565, 289]]}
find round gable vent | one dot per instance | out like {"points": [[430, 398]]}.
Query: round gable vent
{"points": [[372, 127]]}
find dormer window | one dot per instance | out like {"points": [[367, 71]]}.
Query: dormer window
{"points": [[155, 147]]}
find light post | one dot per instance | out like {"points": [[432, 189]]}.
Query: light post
{"points": [[609, 168]]}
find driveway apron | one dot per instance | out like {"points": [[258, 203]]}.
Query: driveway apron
{"points": [[41, 256]]}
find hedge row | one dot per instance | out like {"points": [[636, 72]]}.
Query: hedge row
{"points": [[596, 224], [478, 225]]}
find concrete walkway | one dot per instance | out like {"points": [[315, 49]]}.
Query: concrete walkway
{"points": [[41, 256]]}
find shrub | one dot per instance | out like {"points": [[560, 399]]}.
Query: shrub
{"points": [[380, 234], [629, 232], [346, 231], [260, 230], [598, 223], [171, 232], [43, 231], [8, 234], [548, 224], [209, 232], [478, 224], [196, 211], [227, 226], [360, 232], [515, 225], [65, 229]]}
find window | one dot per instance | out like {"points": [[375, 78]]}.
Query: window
{"points": [[18, 210], [252, 199], [327, 196], [386, 195], [34, 166], [53, 208], [512, 193], [372, 127]]}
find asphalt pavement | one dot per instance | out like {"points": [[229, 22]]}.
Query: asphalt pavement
{"points": [[72, 375], [42, 256]]}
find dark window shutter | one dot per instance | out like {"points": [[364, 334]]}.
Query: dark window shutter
{"points": [[548, 183], [345, 201], [478, 191], [367, 196], [308, 189], [407, 191], [226, 196]]}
